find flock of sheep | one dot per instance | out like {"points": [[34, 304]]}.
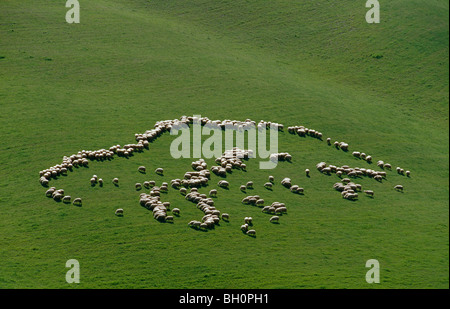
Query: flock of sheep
{"points": [[230, 160]]}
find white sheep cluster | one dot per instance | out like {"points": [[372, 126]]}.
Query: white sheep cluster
{"points": [[282, 156], [287, 182], [195, 179], [349, 190], [324, 168], [211, 215], [275, 208], [153, 203], [95, 180], [254, 200], [341, 145], [199, 165], [304, 131], [229, 160]]}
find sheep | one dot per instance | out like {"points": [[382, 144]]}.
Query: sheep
{"points": [[100, 182], [138, 186], [388, 166], [271, 179], [248, 220], [369, 192], [274, 219], [307, 172], [251, 233], [77, 202], [369, 159], [268, 185], [169, 219], [141, 169], [50, 191], [259, 202], [329, 141], [286, 182], [398, 188], [243, 188], [115, 181], [408, 173], [66, 199], [356, 154], [119, 212], [244, 228], [223, 184], [213, 193], [249, 185], [183, 191], [225, 217], [93, 181], [159, 171]]}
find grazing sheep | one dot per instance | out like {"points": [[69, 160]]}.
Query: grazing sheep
{"points": [[169, 219], [274, 219], [307, 172], [248, 220], [50, 191], [271, 179], [243, 188], [223, 184], [119, 212], [141, 169], [225, 216], [159, 171], [100, 182], [66, 199], [116, 181], [329, 141], [138, 186], [213, 193], [408, 173], [251, 233], [249, 185], [268, 185], [398, 188], [183, 191], [244, 228], [369, 192], [77, 201]]}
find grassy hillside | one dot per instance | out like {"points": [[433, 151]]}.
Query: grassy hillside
{"points": [[382, 88]]}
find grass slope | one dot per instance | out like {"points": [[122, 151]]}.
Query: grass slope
{"points": [[130, 63]]}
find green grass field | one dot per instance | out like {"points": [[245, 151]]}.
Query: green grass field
{"points": [[383, 88]]}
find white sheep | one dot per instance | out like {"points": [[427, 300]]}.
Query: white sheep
{"points": [[141, 169], [398, 188], [274, 219], [119, 212], [77, 202], [268, 185], [251, 233]]}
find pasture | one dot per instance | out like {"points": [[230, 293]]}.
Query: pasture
{"points": [[383, 88]]}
